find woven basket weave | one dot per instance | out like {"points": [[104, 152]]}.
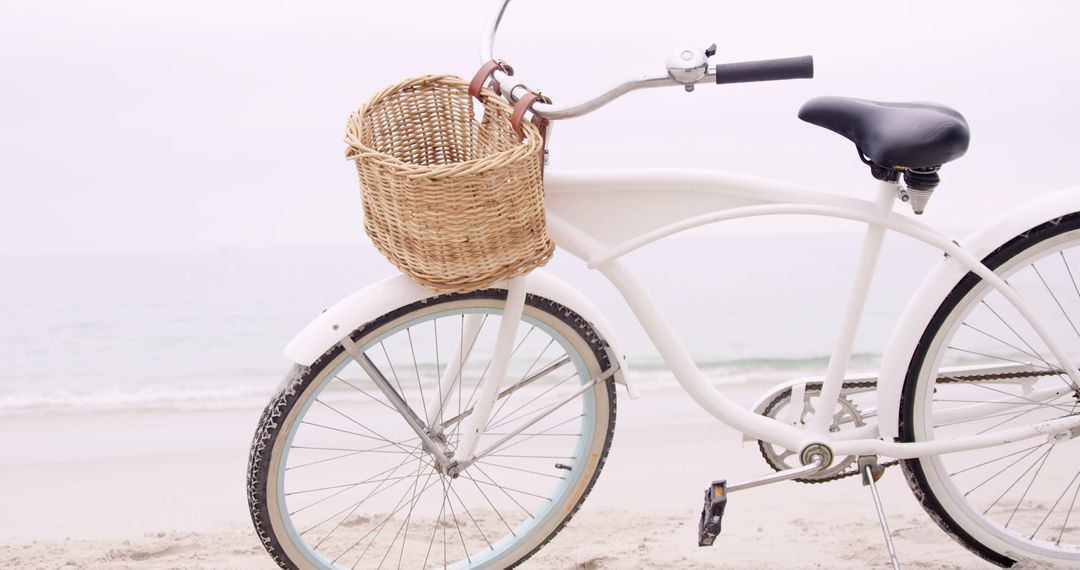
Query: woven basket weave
{"points": [[454, 202]]}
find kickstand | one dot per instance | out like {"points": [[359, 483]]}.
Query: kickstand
{"points": [[871, 472]]}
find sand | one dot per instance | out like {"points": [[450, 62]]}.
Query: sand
{"points": [[165, 489]]}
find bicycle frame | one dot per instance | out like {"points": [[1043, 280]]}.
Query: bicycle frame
{"points": [[642, 207]]}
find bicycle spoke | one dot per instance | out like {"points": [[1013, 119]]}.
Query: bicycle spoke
{"points": [[434, 532], [988, 335], [353, 420], [486, 368], [1013, 330], [1056, 301], [492, 505], [528, 371], [393, 372], [544, 434], [382, 403], [1068, 382], [438, 362], [461, 363], [966, 469], [419, 384], [371, 450], [473, 519], [1010, 487], [1069, 271], [313, 424], [504, 447], [1054, 506], [568, 457], [351, 508], [505, 489], [1006, 468], [511, 415], [453, 515], [1030, 483], [378, 528], [1002, 358], [346, 455], [404, 526], [346, 485], [1011, 414], [1016, 416], [1011, 395], [521, 470], [1065, 524]]}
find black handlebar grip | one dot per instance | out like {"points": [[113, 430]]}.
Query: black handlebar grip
{"points": [[766, 70]]}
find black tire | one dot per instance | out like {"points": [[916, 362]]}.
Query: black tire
{"points": [[916, 470], [300, 379]]}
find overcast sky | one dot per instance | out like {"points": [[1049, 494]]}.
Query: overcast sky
{"points": [[146, 125]]}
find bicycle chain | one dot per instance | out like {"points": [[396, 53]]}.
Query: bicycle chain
{"points": [[978, 377], [873, 384]]}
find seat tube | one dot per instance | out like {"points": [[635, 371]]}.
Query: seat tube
{"points": [[864, 273]]}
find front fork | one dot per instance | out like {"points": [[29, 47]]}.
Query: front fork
{"points": [[473, 424]]}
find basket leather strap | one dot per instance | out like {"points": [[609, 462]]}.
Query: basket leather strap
{"points": [[484, 73], [523, 105]]}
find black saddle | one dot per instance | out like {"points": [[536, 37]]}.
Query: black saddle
{"points": [[893, 135]]}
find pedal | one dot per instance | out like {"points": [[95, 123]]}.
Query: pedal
{"points": [[712, 514]]}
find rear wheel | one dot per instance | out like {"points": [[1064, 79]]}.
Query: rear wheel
{"points": [[980, 368], [339, 480]]}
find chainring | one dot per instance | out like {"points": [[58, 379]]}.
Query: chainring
{"points": [[847, 466], [846, 415]]}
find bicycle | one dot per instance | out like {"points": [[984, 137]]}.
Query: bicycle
{"points": [[476, 453]]}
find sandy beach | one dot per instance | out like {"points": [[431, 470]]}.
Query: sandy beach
{"points": [[165, 489]]}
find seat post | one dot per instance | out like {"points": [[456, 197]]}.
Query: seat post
{"points": [[864, 273]]}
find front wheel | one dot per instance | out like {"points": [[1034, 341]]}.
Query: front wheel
{"points": [[979, 368], [338, 479]]}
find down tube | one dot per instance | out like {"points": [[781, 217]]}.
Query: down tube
{"points": [[687, 373]]}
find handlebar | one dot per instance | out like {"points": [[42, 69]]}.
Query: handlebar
{"points": [[744, 72], [765, 70]]}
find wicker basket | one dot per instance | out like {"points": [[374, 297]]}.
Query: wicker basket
{"points": [[454, 202]]}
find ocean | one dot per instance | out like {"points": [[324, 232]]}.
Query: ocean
{"points": [[205, 329]]}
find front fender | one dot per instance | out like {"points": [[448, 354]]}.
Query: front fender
{"points": [[381, 297], [931, 293]]}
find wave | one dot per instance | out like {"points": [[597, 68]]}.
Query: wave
{"points": [[150, 398], [647, 374]]}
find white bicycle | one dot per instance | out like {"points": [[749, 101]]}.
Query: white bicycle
{"points": [[464, 430]]}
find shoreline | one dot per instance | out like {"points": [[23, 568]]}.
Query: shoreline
{"points": [[166, 490]]}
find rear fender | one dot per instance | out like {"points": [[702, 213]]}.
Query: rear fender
{"points": [[940, 282]]}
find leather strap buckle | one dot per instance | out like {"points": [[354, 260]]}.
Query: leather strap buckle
{"points": [[484, 74], [525, 104]]}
